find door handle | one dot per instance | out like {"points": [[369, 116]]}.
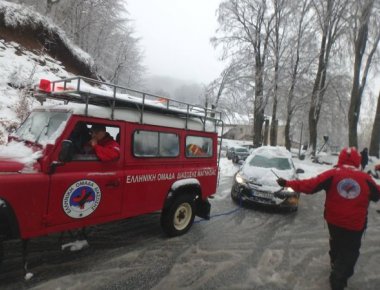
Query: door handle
{"points": [[113, 183]]}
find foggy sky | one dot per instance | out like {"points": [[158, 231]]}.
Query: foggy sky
{"points": [[175, 36]]}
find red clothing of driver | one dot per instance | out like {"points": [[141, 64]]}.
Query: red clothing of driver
{"points": [[107, 149], [348, 191]]}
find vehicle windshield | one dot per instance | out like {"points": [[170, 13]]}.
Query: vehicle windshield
{"points": [[42, 126], [242, 150], [279, 163]]}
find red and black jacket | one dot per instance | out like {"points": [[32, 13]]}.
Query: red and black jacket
{"points": [[348, 192], [107, 149]]}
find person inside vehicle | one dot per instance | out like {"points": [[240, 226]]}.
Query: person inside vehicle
{"points": [[193, 150], [80, 136], [102, 143], [348, 193]]}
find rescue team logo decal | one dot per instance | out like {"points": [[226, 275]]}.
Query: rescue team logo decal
{"points": [[81, 199], [348, 188]]}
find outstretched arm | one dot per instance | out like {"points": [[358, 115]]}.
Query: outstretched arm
{"points": [[311, 185]]}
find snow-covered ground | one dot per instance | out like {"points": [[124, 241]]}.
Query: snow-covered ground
{"points": [[21, 68], [239, 248]]}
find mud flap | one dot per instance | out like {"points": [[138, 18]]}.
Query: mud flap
{"points": [[203, 209]]}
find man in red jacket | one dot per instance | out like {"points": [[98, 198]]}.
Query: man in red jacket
{"points": [[348, 193], [104, 146]]}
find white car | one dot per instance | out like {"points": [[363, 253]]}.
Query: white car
{"points": [[255, 182]]}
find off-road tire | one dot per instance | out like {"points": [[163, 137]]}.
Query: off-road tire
{"points": [[1, 252], [179, 217], [235, 196], [293, 209]]}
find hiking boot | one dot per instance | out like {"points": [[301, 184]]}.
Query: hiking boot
{"points": [[337, 284]]}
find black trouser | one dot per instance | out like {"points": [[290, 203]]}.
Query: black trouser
{"points": [[344, 252]]}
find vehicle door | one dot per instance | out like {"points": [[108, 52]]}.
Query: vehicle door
{"points": [[85, 190], [151, 168]]}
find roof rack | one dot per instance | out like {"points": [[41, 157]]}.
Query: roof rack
{"points": [[93, 92]]}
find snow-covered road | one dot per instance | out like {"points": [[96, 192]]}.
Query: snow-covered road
{"points": [[239, 248]]}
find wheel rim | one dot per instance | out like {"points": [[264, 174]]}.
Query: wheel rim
{"points": [[182, 216]]}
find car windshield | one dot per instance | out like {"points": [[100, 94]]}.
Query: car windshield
{"points": [[241, 150], [279, 163], [42, 126]]}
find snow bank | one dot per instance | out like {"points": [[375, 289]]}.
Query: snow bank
{"points": [[21, 68], [76, 245], [18, 151]]}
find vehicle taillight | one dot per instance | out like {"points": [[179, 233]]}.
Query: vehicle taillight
{"points": [[45, 86]]}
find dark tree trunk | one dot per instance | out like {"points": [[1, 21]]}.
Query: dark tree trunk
{"points": [[316, 101], [273, 127], [375, 137], [312, 132], [357, 86], [266, 132], [320, 79], [288, 144], [278, 18], [258, 128], [259, 106]]}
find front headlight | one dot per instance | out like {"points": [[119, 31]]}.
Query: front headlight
{"points": [[239, 179], [287, 192], [288, 189]]}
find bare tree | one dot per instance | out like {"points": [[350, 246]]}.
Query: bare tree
{"points": [[230, 79], [331, 20], [361, 37], [49, 5], [99, 27], [217, 86], [279, 30], [291, 105], [375, 136], [246, 28]]}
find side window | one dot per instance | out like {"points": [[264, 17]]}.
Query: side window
{"points": [[198, 146], [155, 144], [82, 135], [145, 144], [169, 145]]}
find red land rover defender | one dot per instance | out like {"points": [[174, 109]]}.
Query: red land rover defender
{"points": [[168, 161]]}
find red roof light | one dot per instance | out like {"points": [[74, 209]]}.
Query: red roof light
{"points": [[45, 86]]}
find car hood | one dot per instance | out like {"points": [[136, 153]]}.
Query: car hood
{"points": [[264, 179], [10, 166], [242, 153], [16, 157]]}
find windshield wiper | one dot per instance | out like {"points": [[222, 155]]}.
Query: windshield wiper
{"points": [[43, 128]]}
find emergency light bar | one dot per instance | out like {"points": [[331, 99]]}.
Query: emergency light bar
{"points": [[45, 86]]}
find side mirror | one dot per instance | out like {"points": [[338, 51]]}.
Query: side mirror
{"points": [[300, 170], [67, 151]]}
